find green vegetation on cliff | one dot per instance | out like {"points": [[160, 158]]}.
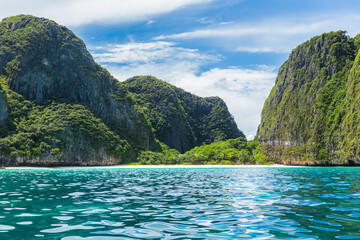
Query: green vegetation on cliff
{"points": [[3, 107], [56, 92], [55, 133], [58, 107], [311, 114], [180, 119]]}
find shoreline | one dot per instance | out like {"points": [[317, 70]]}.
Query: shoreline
{"points": [[155, 166]]}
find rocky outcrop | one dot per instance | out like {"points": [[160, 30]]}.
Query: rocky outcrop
{"points": [[77, 150], [3, 108], [350, 126], [44, 62], [310, 116], [180, 119]]}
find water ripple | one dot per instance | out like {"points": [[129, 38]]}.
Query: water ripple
{"points": [[238, 203]]}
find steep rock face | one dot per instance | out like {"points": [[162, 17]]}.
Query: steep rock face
{"points": [[3, 107], [180, 119], [303, 119], [350, 127], [57, 134], [43, 62]]}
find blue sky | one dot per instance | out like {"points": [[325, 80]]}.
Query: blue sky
{"points": [[228, 48]]}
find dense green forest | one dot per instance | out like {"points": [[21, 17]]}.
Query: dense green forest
{"points": [[232, 151]]}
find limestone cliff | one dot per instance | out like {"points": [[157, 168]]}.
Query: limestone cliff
{"points": [[43, 62], [3, 107], [180, 119], [311, 114]]}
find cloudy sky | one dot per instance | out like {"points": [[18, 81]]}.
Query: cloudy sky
{"points": [[227, 48]]}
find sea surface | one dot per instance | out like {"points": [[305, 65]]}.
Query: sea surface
{"points": [[191, 203]]}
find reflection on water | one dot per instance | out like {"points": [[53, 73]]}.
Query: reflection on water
{"points": [[238, 203]]}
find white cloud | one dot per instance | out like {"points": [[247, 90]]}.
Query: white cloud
{"points": [[159, 58], [77, 12], [206, 20], [158, 51], [254, 49], [244, 90], [272, 35]]}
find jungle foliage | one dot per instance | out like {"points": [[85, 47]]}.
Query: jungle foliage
{"points": [[229, 152], [34, 129]]}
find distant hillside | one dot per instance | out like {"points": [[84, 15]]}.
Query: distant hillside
{"points": [[312, 115], [180, 119]]}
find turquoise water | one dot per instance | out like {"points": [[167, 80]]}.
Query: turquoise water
{"points": [[236, 203]]}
